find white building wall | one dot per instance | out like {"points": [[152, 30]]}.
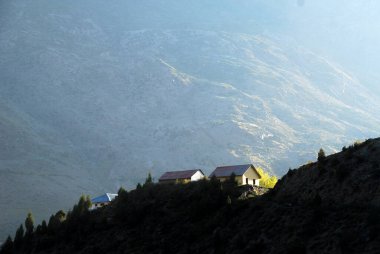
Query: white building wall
{"points": [[250, 181], [197, 176]]}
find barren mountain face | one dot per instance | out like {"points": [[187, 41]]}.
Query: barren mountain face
{"points": [[95, 96]]}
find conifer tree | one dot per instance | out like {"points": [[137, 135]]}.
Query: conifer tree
{"points": [[60, 216], [19, 236], [232, 179], [213, 179], [29, 224], [7, 247], [87, 203], [321, 155], [43, 227], [53, 225], [148, 180], [81, 205], [122, 192]]}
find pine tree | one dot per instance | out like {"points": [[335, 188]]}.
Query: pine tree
{"points": [[43, 227], [29, 224], [321, 155], [121, 194], [53, 225], [121, 191], [60, 216], [232, 179], [213, 179], [7, 247], [87, 203], [148, 180], [81, 205], [19, 237]]}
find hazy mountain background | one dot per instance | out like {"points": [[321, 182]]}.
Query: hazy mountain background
{"points": [[95, 94]]}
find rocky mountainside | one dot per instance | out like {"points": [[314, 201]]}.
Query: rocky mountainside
{"points": [[94, 98], [330, 206]]}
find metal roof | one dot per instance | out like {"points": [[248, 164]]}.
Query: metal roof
{"points": [[226, 171], [184, 174], [107, 197]]}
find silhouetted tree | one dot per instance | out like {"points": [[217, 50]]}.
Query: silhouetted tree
{"points": [[43, 227], [148, 180], [7, 247], [54, 223], [138, 186], [29, 224], [321, 155], [19, 236], [232, 179], [121, 191], [87, 203], [213, 179]]}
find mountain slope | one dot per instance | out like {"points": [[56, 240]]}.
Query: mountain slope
{"points": [[331, 206], [94, 98]]}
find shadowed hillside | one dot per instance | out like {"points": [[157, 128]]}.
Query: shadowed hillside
{"points": [[331, 206], [95, 94]]}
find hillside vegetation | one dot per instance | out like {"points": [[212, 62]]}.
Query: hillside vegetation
{"points": [[330, 206]]}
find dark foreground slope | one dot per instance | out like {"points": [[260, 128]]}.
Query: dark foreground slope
{"points": [[331, 206]]}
